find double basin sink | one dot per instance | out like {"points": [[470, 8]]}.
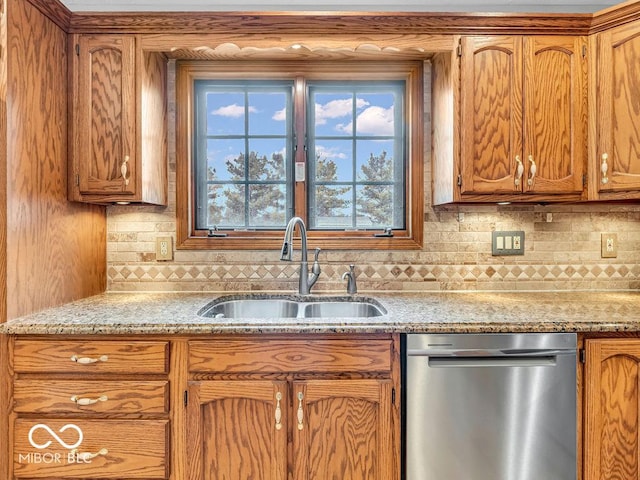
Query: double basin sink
{"points": [[292, 306]]}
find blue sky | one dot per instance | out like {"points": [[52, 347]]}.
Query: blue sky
{"points": [[374, 116]]}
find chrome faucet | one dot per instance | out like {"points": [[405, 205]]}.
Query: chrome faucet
{"points": [[307, 280]]}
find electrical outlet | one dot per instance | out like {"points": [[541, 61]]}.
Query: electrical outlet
{"points": [[609, 245], [164, 248]]}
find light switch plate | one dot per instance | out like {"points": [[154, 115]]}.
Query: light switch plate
{"points": [[507, 243]]}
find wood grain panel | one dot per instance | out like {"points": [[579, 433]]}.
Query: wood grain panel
{"points": [[105, 356], [55, 10], [329, 23], [255, 356], [152, 126], [56, 251], [346, 430], [232, 430], [555, 114], [491, 113], [135, 449], [612, 409], [57, 396]]}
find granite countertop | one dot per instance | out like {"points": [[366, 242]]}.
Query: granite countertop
{"points": [[472, 312]]}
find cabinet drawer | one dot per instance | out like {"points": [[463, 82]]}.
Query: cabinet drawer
{"points": [[34, 356], [63, 448], [255, 356], [62, 396]]}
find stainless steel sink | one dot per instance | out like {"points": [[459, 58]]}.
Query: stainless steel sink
{"points": [[294, 306], [252, 308], [348, 309]]}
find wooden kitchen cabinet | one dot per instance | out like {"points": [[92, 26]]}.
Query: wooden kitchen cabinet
{"points": [[118, 127], [293, 409], [522, 120], [90, 408], [612, 409], [615, 172]]}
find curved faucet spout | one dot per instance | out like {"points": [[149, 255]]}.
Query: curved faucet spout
{"points": [[307, 280]]}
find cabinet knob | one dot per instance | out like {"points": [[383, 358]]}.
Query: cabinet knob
{"points": [[604, 169], [88, 360]]}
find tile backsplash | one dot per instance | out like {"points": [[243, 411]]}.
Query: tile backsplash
{"points": [[562, 249]]}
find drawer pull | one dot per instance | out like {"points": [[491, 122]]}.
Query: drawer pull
{"points": [[85, 456], [88, 401], [124, 170], [532, 171], [519, 171], [300, 411], [604, 168], [88, 360], [278, 411]]}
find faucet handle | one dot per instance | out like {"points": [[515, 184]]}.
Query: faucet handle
{"points": [[317, 252], [352, 287]]}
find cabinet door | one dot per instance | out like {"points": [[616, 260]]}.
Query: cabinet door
{"points": [[555, 76], [612, 409], [105, 121], [344, 429], [491, 114], [618, 114], [237, 430]]}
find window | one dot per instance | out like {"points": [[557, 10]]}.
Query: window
{"points": [[338, 145]]}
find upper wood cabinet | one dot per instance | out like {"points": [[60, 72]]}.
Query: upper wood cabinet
{"points": [[118, 128], [612, 409], [615, 171], [522, 120]]}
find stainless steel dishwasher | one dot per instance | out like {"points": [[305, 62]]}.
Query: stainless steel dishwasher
{"points": [[490, 407]]}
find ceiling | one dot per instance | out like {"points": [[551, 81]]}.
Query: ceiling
{"points": [[481, 6]]}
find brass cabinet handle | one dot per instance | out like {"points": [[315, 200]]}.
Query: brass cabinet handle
{"points": [[278, 414], [88, 401], [532, 171], [123, 170], [300, 411], [86, 456], [604, 168], [88, 360], [519, 171]]}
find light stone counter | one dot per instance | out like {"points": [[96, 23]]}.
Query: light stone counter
{"points": [[474, 312]]}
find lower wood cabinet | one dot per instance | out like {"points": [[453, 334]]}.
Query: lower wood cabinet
{"points": [[338, 429], [303, 407], [612, 409], [305, 422]]}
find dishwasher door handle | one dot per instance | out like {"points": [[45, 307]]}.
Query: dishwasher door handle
{"points": [[505, 361]]}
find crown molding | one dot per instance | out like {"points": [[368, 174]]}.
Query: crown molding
{"points": [[55, 11]]}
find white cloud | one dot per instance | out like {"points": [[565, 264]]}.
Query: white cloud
{"points": [[372, 121], [233, 111], [329, 153], [336, 109], [376, 121], [280, 115]]}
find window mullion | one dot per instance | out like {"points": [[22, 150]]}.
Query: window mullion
{"points": [[301, 150]]}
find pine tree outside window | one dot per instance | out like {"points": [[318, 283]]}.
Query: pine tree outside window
{"points": [[336, 146]]}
